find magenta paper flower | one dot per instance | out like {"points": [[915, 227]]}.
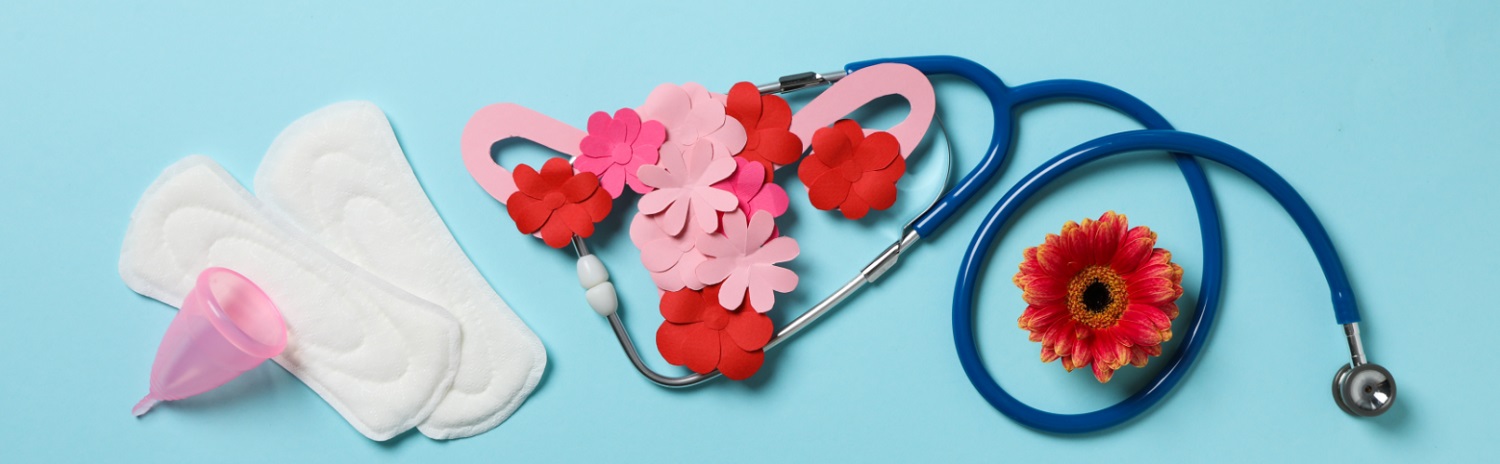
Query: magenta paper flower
{"points": [[749, 185], [684, 187], [745, 259], [693, 115], [616, 147], [672, 261]]}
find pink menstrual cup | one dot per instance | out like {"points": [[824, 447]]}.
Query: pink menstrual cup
{"points": [[226, 326]]}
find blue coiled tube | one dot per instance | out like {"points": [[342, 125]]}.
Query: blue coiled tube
{"points": [[1005, 100], [1178, 142]]}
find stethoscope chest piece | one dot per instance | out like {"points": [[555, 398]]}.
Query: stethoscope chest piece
{"points": [[1364, 390]]}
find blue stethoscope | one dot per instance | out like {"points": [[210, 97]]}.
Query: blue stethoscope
{"points": [[1359, 387]]}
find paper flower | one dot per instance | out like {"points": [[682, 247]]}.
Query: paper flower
{"points": [[767, 120], [1099, 295], [692, 115], [749, 185], [852, 172], [684, 187], [672, 260], [616, 147], [744, 258], [557, 202], [703, 335]]}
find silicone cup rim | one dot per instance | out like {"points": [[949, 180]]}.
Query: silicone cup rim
{"points": [[228, 327]]}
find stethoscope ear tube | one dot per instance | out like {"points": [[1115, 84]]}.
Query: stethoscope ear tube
{"points": [[1361, 388]]}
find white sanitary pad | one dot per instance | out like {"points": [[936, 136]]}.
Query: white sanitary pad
{"points": [[380, 356], [340, 174]]}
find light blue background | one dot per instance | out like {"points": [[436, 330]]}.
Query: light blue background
{"points": [[1382, 113]]}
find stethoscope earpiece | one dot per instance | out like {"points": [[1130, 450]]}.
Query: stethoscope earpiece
{"points": [[1364, 390]]}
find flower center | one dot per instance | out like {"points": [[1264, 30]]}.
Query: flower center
{"points": [[553, 201], [1097, 297], [716, 317], [851, 171], [620, 153]]}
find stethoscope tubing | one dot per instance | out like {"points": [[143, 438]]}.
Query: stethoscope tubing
{"points": [[971, 269], [1006, 100]]}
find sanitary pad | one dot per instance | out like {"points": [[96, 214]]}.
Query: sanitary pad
{"points": [[340, 174], [380, 356]]}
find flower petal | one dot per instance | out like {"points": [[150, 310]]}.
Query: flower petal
{"points": [[659, 255], [653, 134], [657, 201], [675, 217], [880, 193], [775, 113], [527, 212], [759, 230], [1148, 314], [556, 171], [1133, 251], [555, 233], [580, 187], [687, 269], [854, 206], [632, 122], [716, 200], [828, 191], [1103, 373], [717, 169], [771, 199], [878, 151], [810, 170], [851, 130], [577, 219], [1137, 333], [738, 364], [831, 147], [778, 250], [670, 280], [744, 104], [700, 349], [732, 291], [528, 181], [719, 246], [682, 307], [1153, 291], [596, 165], [715, 270], [780, 146], [598, 205], [750, 330], [776, 278]]}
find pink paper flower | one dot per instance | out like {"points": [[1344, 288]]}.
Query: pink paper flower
{"points": [[749, 185], [693, 115], [745, 259], [616, 147], [684, 183], [672, 261]]}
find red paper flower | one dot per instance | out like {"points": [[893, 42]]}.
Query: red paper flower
{"points": [[768, 121], [557, 202], [1100, 295], [850, 171], [702, 335]]}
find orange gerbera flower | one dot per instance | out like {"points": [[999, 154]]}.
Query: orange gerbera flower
{"points": [[1099, 295]]}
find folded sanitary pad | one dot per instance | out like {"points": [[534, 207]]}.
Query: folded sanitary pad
{"points": [[340, 174]]}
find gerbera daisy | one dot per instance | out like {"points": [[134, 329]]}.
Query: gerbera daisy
{"points": [[1099, 295]]}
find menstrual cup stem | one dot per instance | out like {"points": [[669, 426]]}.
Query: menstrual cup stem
{"points": [[145, 405]]}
